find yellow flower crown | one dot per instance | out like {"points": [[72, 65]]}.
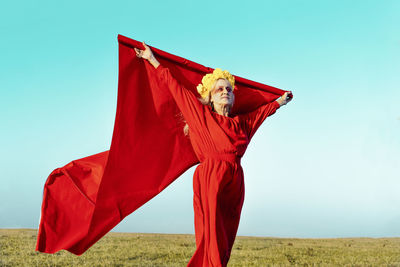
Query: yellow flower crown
{"points": [[209, 80]]}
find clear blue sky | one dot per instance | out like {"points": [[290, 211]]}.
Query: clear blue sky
{"points": [[325, 165]]}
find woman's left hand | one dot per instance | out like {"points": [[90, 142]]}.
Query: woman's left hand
{"points": [[284, 99]]}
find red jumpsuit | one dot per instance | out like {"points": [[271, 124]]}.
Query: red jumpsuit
{"points": [[219, 143]]}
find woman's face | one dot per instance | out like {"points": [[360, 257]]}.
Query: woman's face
{"points": [[223, 93]]}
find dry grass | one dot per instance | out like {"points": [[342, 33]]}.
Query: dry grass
{"points": [[133, 249]]}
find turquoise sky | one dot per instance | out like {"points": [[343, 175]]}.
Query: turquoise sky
{"points": [[325, 165]]}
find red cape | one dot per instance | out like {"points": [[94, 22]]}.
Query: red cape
{"points": [[86, 198]]}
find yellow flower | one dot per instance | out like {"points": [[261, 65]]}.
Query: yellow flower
{"points": [[209, 80]]}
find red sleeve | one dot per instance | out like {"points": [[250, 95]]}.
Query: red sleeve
{"points": [[254, 119], [186, 101]]}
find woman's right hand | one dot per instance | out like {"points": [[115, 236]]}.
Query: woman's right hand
{"points": [[147, 54]]}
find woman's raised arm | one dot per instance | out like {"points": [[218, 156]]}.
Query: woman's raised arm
{"points": [[187, 102], [254, 119]]}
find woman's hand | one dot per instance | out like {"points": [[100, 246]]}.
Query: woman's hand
{"points": [[284, 99], [147, 54]]}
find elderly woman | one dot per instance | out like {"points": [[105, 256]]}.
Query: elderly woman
{"points": [[219, 141]]}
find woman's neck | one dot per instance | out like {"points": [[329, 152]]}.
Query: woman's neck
{"points": [[223, 110]]}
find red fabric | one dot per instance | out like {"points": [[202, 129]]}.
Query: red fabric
{"points": [[86, 198]]}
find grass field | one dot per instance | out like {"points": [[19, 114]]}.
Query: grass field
{"points": [[17, 248]]}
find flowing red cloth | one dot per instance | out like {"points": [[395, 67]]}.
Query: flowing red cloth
{"points": [[86, 198]]}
